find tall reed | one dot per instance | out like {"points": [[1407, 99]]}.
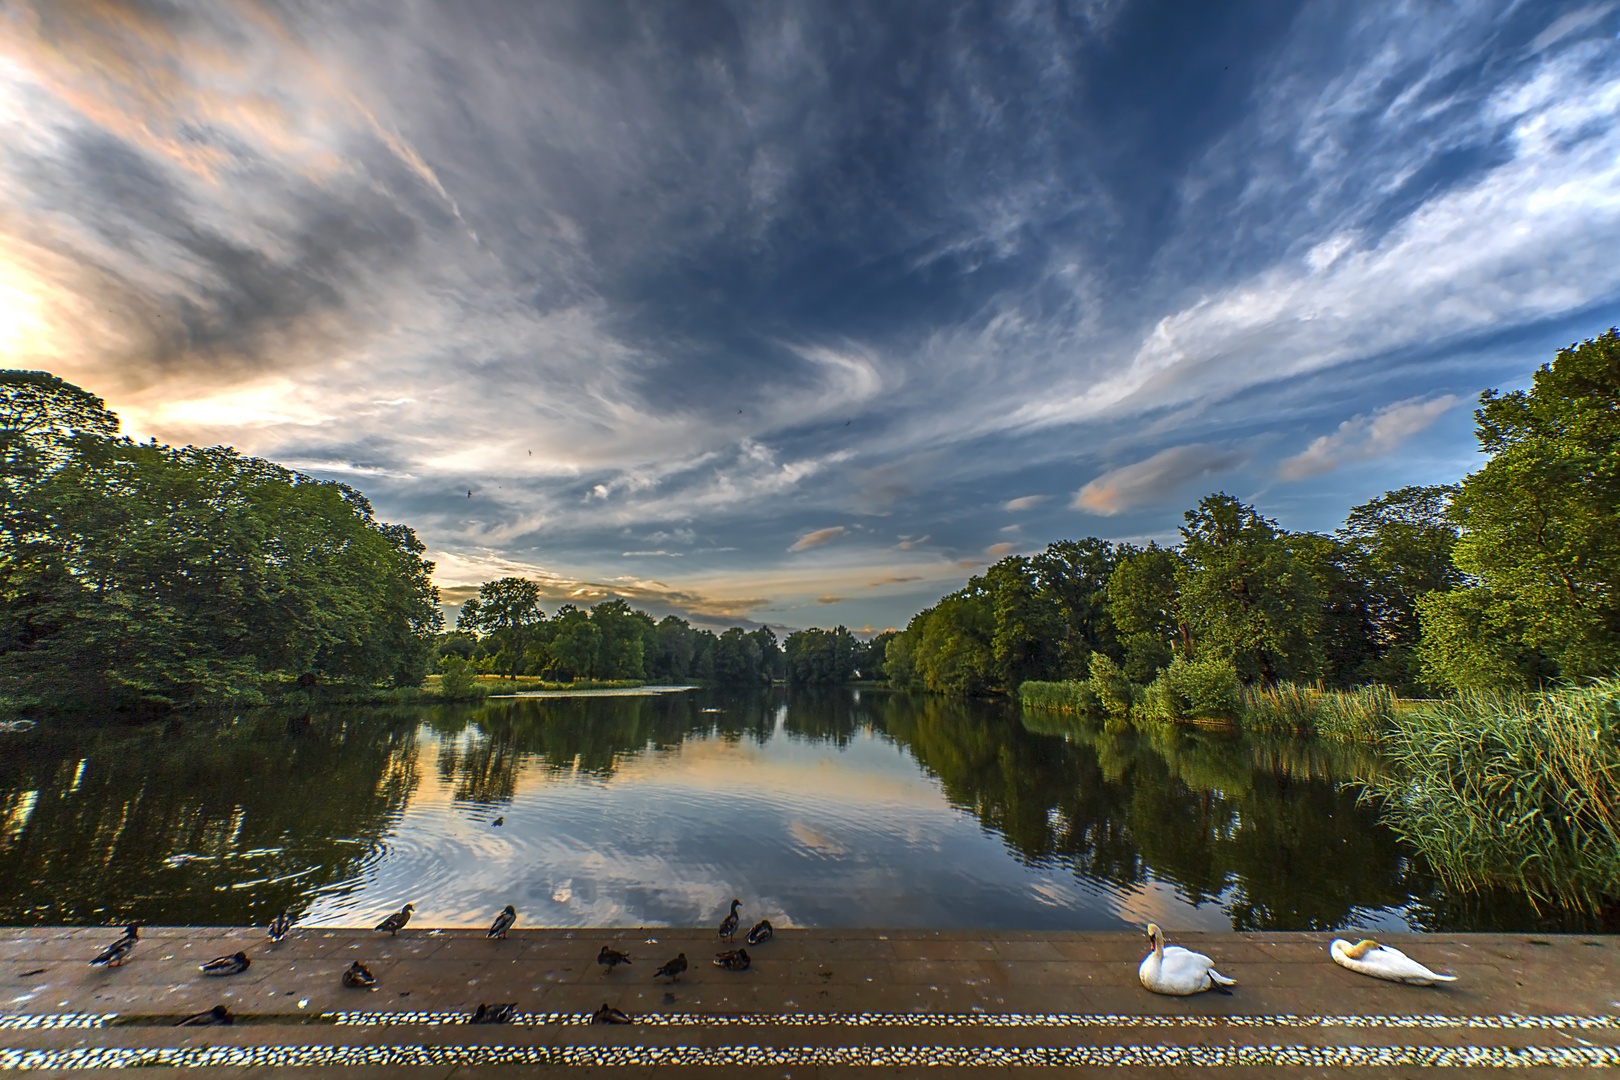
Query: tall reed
{"points": [[1513, 791]]}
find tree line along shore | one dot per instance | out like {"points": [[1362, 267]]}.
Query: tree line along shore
{"points": [[1470, 630]]}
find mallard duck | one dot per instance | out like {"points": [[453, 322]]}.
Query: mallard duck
{"points": [[219, 1014], [396, 922], [1170, 969], [607, 1014], [732, 960], [494, 1014], [115, 954], [234, 964], [498, 822], [1383, 962], [761, 932], [728, 925], [673, 969], [611, 958], [503, 922], [359, 976], [280, 925]]}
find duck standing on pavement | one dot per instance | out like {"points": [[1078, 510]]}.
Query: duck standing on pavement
{"points": [[503, 922], [280, 925], [672, 970], [227, 965], [115, 954], [611, 958], [728, 925], [396, 922]]}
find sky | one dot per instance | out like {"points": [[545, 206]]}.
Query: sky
{"points": [[803, 313]]}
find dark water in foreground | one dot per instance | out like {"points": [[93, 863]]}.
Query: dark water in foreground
{"points": [[838, 808]]}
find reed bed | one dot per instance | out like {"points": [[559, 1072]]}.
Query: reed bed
{"points": [[1513, 791]]}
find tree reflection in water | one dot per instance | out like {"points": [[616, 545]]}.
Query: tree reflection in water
{"points": [[226, 823]]}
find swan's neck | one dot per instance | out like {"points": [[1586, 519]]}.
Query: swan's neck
{"points": [[1360, 949]]}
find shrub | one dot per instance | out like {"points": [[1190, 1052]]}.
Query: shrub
{"points": [[1194, 690], [459, 678], [1113, 690], [1068, 696]]}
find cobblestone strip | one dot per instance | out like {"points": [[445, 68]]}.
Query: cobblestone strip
{"points": [[1320, 1057]]}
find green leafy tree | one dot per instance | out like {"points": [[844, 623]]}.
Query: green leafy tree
{"points": [[576, 645], [1245, 594], [736, 658], [1030, 631], [772, 662], [820, 656], [1541, 520], [621, 649], [1075, 575], [1144, 606], [508, 608]]}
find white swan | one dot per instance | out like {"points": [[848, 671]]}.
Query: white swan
{"points": [[1174, 970], [1383, 962]]}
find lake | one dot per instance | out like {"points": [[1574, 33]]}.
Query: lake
{"points": [[826, 808]]}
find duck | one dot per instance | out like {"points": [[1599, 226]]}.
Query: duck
{"points": [[115, 954], [611, 958], [732, 960], [396, 922], [494, 1014], [1170, 969], [607, 1014], [280, 925], [219, 1014], [503, 922], [498, 822], [728, 925], [761, 932], [1383, 962], [234, 964], [673, 969], [359, 976]]}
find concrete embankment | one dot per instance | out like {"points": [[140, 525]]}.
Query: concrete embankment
{"points": [[814, 1003]]}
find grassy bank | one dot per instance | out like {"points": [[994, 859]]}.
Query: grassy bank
{"points": [[1514, 791], [1207, 698]]}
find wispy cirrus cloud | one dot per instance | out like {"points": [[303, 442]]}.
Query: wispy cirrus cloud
{"points": [[818, 537], [1023, 502], [1153, 478], [1368, 436]]}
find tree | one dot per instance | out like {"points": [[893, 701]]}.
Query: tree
{"points": [[955, 653], [1245, 594], [1075, 574], [772, 663], [1030, 631], [1346, 644], [736, 658], [1144, 606], [577, 644], [1541, 520], [820, 656], [621, 649], [509, 608]]}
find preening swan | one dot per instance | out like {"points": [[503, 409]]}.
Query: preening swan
{"points": [[1383, 962], [1170, 969]]}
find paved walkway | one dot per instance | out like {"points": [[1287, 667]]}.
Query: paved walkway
{"points": [[816, 1003]]}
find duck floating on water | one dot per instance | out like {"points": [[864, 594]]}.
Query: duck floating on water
{"points": [[494, 1014], [234, 964], [1383, 962], [732, 960], [503, 922], [607, 1014], [280, 925], [396, 922], [728, 925], [359, 977], [672, 970], [761, 932], [115, 954], [1170, 969], [611, 958], [219, 1014]]}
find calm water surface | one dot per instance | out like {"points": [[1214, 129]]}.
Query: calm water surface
{"points": [[839, 808]]}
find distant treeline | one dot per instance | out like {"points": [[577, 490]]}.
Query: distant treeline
{"points": [[1508, 579], [503, 631], [138, 578]]}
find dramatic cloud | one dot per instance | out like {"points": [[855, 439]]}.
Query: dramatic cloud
{"points": [[666, 291], [817, 538], [1363, 437], [1160, 475]]}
